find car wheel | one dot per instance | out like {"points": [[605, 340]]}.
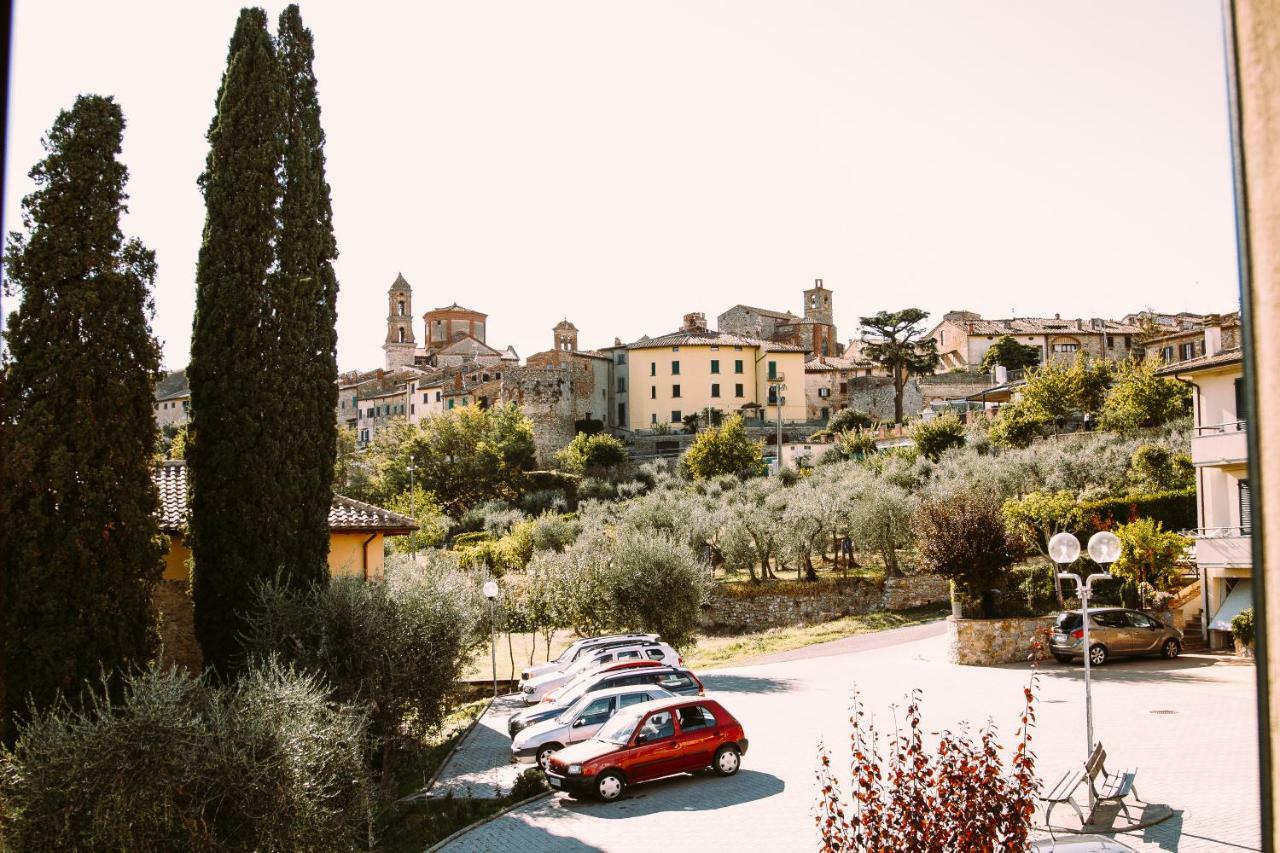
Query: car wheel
{"points": [[544, 755], [610, 785], [1097, 654], [1171, 649], [1062, 658], [727, 761]]}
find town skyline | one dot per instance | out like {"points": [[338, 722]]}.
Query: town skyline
{"points": [[701, 165]]}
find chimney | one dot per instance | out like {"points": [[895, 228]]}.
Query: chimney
{"points": [[695, 321], [1057, 316], [1212, 340]]}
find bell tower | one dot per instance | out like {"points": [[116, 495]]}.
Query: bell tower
{"points": [[566, 336], [399, 345], [817, 303]]}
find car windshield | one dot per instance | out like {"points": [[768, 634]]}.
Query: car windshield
{"points": [[573, 692], [1068, 622], [619, 728], [571, 709]]}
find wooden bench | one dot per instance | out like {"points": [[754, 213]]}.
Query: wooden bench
{"points": [[1103, 786]]}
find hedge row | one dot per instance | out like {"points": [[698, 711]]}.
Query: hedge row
{"points": [[1176, 510]]}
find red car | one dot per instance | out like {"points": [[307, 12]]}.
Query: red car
{"points": [[649, 741]]}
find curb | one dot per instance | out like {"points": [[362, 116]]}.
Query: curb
{"points": [[439, 845], [422, 795]]}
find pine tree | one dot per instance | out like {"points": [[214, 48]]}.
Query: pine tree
{"points": [[82, 551], [304, 294], [232, 456], [894, 340]]}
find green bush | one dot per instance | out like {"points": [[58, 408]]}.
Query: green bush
{"points": [[934, 438], [1017, 426], [265, 763], [528, 784], [962, 537], [398, 643], [1242, 626], [1176, 510], [848, 419], [724, 449], [591, 452]]}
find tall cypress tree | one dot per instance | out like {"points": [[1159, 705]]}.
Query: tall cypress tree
{"points": [[231, 457], [82, 551], [304, 293]]}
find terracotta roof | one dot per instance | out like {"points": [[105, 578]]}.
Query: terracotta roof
{"points": [[173, 395], [1045, 325], [399, 284], [469, 344], [345, 514], [456, 307], [835, 362], [779, 315], [1204, 362], [690, 337]]}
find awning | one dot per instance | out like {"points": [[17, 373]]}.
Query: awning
{"points": [[1240, 598]]}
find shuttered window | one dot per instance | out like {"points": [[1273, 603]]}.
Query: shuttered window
{"points": [[1246, 508]]}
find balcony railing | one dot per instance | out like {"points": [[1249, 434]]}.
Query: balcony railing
{"points": [[1223, 547], [1220, 444], [1221, 429]]}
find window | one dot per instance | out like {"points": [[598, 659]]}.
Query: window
{"points": [[675, 390], [1140, 620], [633, 654], [1065, 347], [675, 349], [451, 404], [695, 717], [737, 390], [658, 726], [622, 413], [653, 392], [824, 392], [1111, 619], [773, 395], [622, 384], [656, 654], [1241, 404], [438, 396], [674, 681], [425, 394], [737, 365], [653, 418], [1186, 351], [653, 368], [675, 416], [1246, 508], [411, 408], [1166, 354], [342, 404], [715, 365], [824, 413], [773, 370], [675, 368], [844, 387], [620, 358], [598, 711], [400, 309], [629, 699], [715, 389], [401, 334]]}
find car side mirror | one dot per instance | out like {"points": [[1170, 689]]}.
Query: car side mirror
{"points": [[641, 738], [581, 721]]}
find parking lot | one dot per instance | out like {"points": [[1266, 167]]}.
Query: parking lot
{"points": [[1188, 725]]}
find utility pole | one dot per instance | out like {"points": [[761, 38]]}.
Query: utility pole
{"points": [[413, 539]]}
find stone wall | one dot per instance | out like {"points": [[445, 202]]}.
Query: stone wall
{"points": [[177, 625], [799, 603], [545, 395], [984, 642], [873, 395]]}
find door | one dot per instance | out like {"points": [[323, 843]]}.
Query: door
{"points": [[1146, 633], [656, 751], [698, 737], [586, 724], [1112, 629]]}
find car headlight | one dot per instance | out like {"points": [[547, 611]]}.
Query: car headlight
{"points": [[575, 769]]}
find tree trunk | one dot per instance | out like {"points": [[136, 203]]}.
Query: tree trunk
{"points": [[890, 555], [511, 653], [1057, 586], [899, 382], [533, 645]]}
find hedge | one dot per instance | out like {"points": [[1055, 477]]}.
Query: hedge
{"points": [[1176, 510]]}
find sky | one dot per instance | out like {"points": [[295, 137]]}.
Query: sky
{"points": [[622, 164]]}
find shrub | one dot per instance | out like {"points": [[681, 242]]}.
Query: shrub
{"points": [[656, 583], [1017, 426], [528, 784], [1242, 627], [397, 643], [265, 763], [934, 438], [958, 797], [591, 452], [962, 537], [1148, 552], [553, 532], [1154, 467], [422, 507], [848, 419], [588, 426], [1140, 399], [724, 449]]}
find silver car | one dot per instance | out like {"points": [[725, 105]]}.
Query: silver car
{"points": [[1113, 631], [580, 721]]}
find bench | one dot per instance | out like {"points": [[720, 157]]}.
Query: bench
{"points": [[1103, 786]]}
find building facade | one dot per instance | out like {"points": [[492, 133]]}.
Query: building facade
{"points": [[964, 337], [693, 370], [1219, 452], [814, 331]]}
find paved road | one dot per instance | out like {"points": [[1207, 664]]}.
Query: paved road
{"points": [[1187, 724], [481, 766]]}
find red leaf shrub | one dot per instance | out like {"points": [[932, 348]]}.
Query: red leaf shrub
{"points": [[910, 800]]}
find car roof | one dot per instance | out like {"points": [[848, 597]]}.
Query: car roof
{"points": [[660, 669], [624, 691], [612, 638], [674, 702], [616, 647], [1093, 610]]}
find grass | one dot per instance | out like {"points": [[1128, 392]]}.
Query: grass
{"points": [[480, 667], [727, 650]]}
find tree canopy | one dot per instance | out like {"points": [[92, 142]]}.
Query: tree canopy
{"points": [[895, 340], [724, 449], [1008, 353]]}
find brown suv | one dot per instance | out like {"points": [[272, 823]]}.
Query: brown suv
{"points": [[1113, 631]]}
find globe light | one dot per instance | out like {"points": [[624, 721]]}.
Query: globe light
{"points": [[490, 590], [1064, 548], [1104, 547]]}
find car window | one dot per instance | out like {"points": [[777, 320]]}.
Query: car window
{"points": [[629, 699], [1068, 622], [1140, 620], [629, 680], [656, 654], [1111, 619], [599, 706], [628, 655], [658, 726], [675, 681], [696, 717]]}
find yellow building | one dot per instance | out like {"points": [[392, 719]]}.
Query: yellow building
{"points": [[692, 370]]}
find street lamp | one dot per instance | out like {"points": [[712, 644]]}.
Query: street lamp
{"points": [[1104, 549], [490, 590], [413, 539]]}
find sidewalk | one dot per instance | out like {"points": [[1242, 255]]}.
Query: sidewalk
{"points": [[481, 765]]}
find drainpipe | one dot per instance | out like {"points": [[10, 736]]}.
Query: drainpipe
{"points": [[364, 554]]}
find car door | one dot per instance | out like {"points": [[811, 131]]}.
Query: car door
{"points": [[1145, 632], [655, 749], [589, 721], [698, 736], [1112, 631]]}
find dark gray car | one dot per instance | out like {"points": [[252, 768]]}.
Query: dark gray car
{"points": [[1113, 631]]}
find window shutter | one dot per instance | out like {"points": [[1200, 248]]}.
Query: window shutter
{"points": [[1246, 508]]}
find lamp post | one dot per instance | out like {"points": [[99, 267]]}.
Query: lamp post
{"points": [[413, 539], [775, 382], [1104, 549], [490, 590]]}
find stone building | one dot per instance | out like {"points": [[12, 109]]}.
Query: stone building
{"points": [[832, 383], [590, 372], [814, 331], [963, 338], [453, 336], [1188, 342], [173, 409]]}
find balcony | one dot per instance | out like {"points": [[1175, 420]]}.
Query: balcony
{"points": [[1223, 444], [1223, 548]]}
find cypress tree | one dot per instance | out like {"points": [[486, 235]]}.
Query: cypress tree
{"points": [[304, 294], [236, 515], [82, 551]]}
